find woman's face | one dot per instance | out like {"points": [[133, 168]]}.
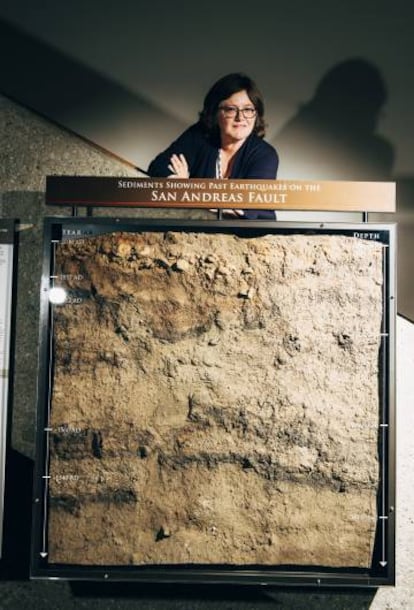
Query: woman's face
{"points": [[233, 124]]}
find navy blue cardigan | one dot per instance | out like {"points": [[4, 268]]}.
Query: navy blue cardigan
{"points": [[256, 159]]}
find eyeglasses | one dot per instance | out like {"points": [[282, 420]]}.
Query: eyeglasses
{"points": [[230, 112]]}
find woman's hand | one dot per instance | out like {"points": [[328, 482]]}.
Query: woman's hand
{"points": [[225, 212], [179, 167]]}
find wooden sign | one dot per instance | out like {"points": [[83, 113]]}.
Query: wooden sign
{"points": [[209, 193]]}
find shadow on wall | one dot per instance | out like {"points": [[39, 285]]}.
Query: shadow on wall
{"points": [[332, 137]]}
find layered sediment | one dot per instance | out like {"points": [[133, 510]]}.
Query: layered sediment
{"points": [[215, 400]]}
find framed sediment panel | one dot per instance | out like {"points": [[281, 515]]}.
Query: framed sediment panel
{"points": [[216, 402]]}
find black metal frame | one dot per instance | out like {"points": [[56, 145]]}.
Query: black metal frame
{"points": [[57, 229]]}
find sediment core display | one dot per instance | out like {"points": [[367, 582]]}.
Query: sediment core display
{"points": [[215, 400]]}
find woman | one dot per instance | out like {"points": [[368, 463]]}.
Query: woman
{"points": [[227, 141]]}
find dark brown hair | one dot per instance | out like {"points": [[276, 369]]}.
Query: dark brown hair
{"points": [[223, 89]]}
